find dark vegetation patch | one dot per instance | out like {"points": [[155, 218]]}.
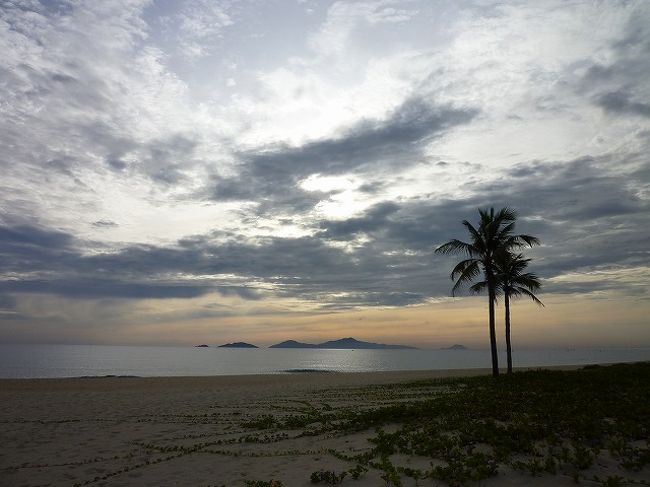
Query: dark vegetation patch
{"points": [[537, 422]]}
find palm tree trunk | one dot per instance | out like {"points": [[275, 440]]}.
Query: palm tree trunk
{"points": [[508, 345], [493, 333]]}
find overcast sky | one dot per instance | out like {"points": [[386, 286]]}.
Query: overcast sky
{"points": [[207, 171]]}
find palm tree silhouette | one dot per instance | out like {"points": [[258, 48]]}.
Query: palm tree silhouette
{"points": [[514, 282], [493, 236]]}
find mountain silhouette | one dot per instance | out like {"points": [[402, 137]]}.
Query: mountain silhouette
{"points": [[237, 345], [293, 344], [341, 344]]}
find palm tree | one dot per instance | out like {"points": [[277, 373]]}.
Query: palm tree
{"points": [[514, 282], [493, 235]]}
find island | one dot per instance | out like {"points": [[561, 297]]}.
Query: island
{"points": [[341, 344], [455, 347], [237, 345], [203, 345], [293, 344]]}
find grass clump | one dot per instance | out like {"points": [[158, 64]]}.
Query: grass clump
{"points": [[262, 422], [263, 483], [328, 477]]}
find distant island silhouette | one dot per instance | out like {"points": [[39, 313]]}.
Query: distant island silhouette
{"points": [[341, 344], [238, 345], [293, 344], [456, 346]]}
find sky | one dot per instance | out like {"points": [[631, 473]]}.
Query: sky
{"points": [[182, 172]]}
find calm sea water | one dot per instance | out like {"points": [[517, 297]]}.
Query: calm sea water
{"points": [[29, 361]]}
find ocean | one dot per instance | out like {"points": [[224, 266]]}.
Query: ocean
{"points": [[41, 361]]}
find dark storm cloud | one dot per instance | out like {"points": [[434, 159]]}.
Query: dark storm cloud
{"points": [[78, 287], [25, 248], [581, 190], [26, 236], [306, 267], [620, 102], [365, 144], [51, 262], [376, 217], [271, 175], [415, 225], [588, 213]]}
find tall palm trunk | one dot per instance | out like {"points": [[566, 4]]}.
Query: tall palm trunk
{"points": [[508, 345], [493, 332]]}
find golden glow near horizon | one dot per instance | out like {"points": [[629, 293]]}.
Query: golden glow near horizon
{"points": [[566, 321]]}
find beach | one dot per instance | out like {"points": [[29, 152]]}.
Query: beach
{"points": [[212, 431]]}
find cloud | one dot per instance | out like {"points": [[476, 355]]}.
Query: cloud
{"points": [[98, 88], [619, 86], [200, 22], [104, 224], [134, 173], [370, 145], [167, 159], [373, 219], [588, 213], [299, 267], [343, 18], [78, 287], [26, 249], [47, 261], [383, 257], [619, 102]]}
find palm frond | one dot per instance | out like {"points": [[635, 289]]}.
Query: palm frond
{"points": [[529, 240], [468, 273], [479, 287], [490, 250], [485, 215], [515, 264], [529, 280], [504, 232], [519, 241], [461, 266], [506, 214], [474, 233], [455, 246], [526, 292]]}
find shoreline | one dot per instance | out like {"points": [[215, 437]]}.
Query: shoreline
{"points": [[314, 379]]}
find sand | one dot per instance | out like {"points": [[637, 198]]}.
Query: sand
{"points": [[114, 431]]}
